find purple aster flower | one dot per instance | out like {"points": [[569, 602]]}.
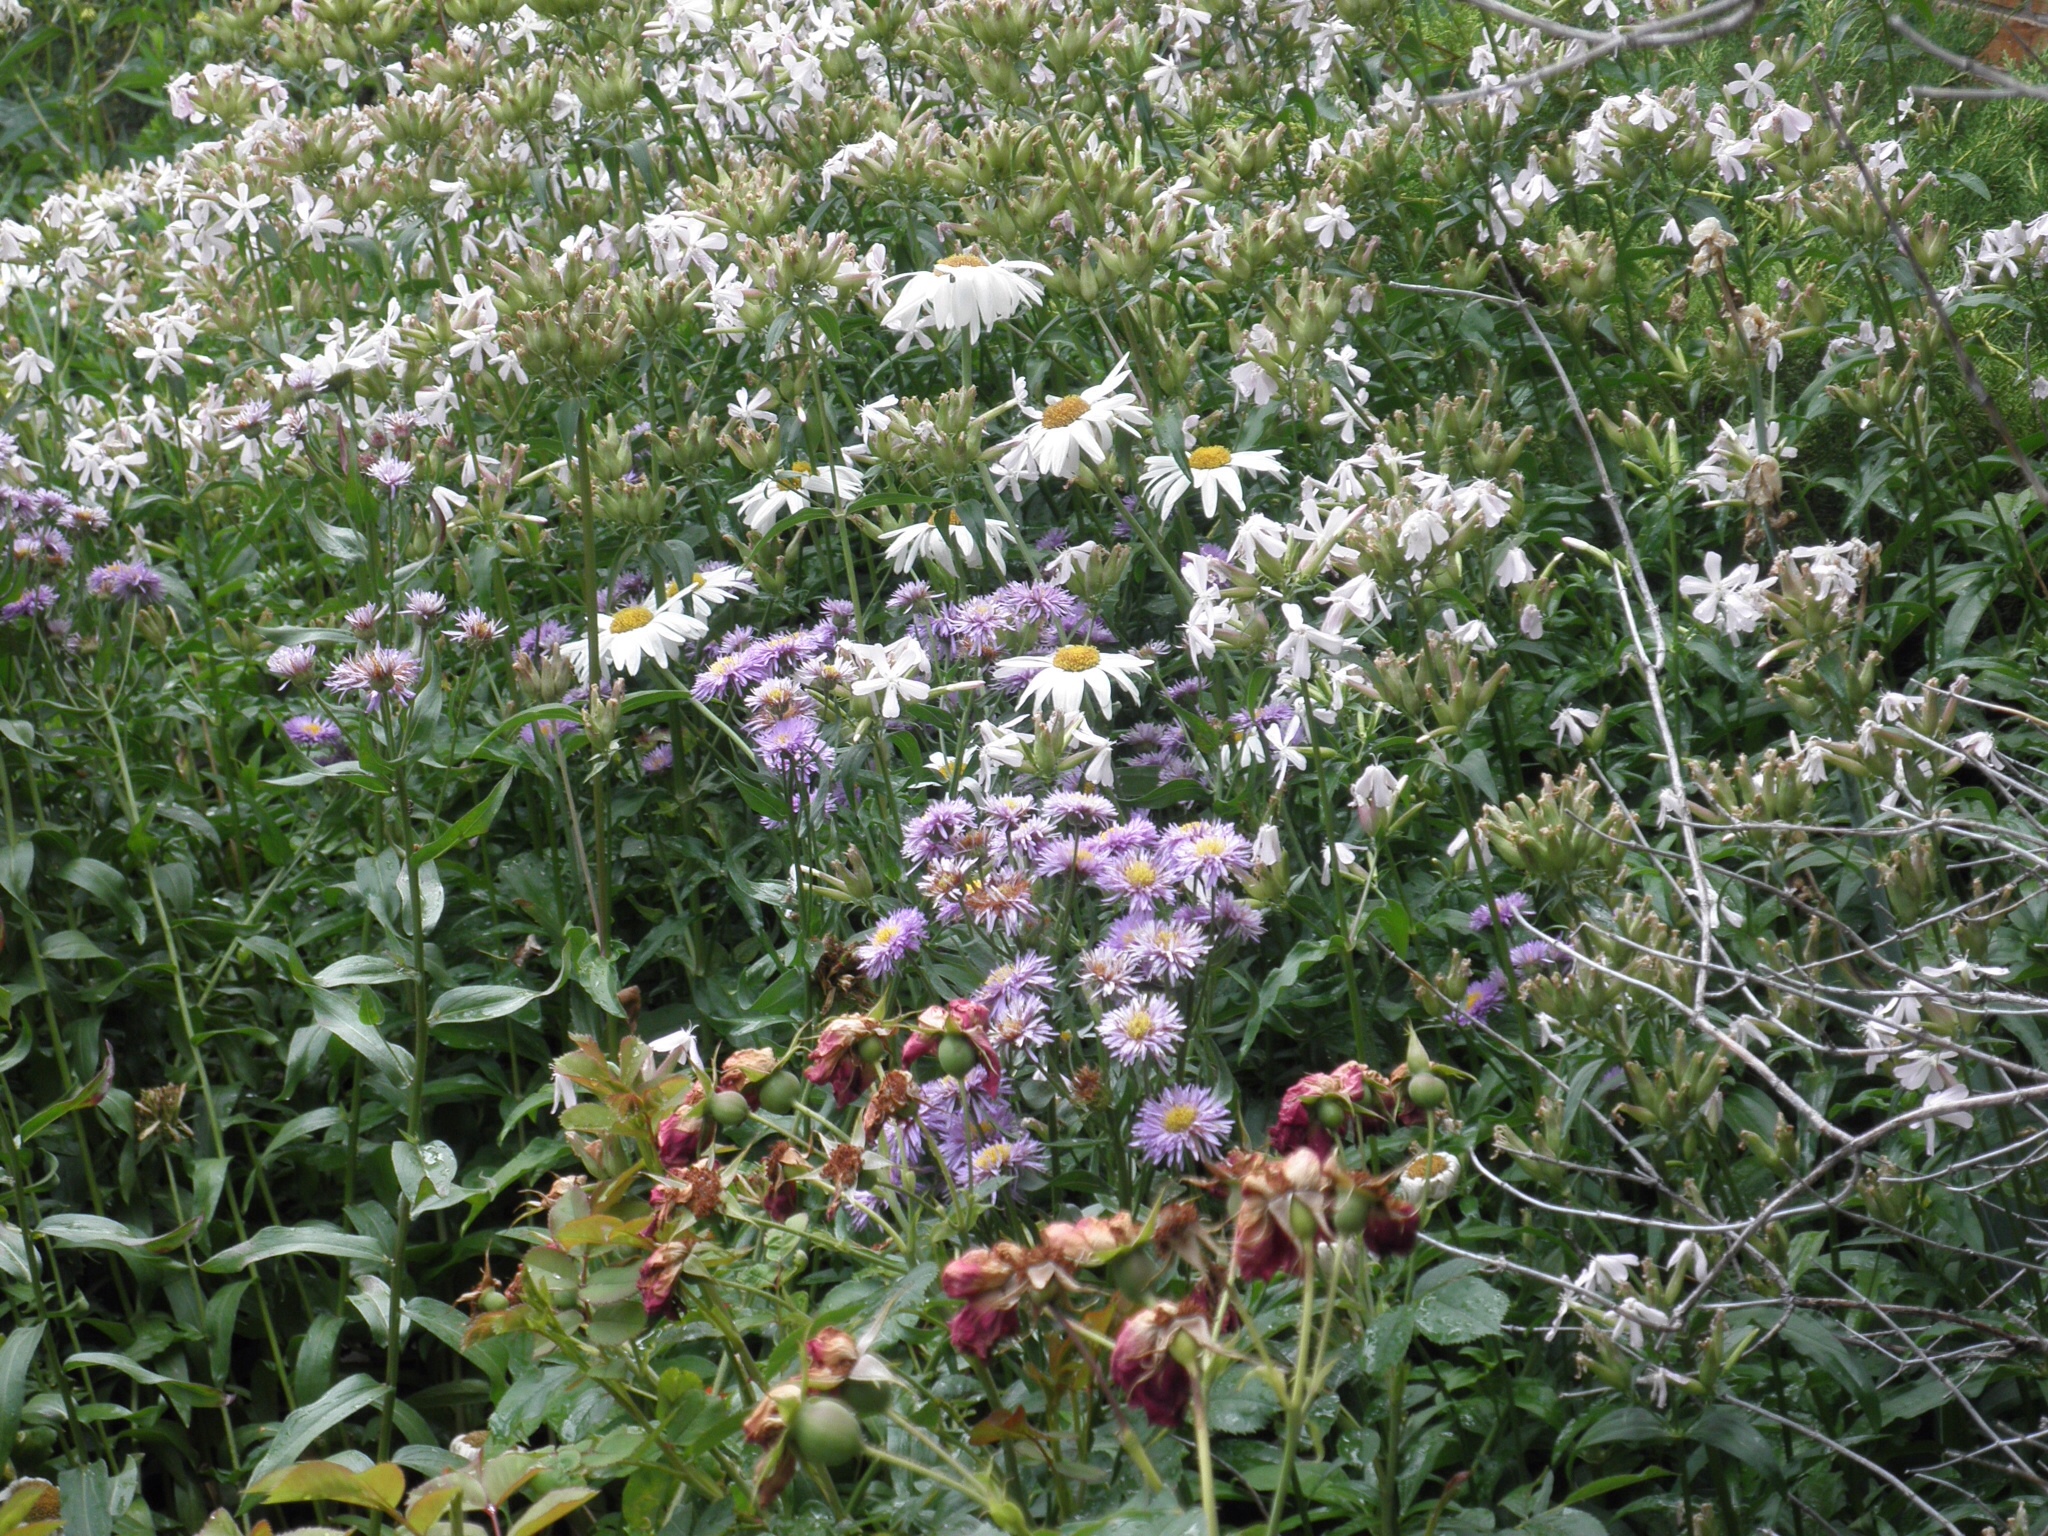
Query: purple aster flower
{"points": [[1030, 973], [1020, 1024], [548, 635], [424, 608], [629, 588], [658, 760], [973, 628], [1169, 952], [793, 748], [362, 620], [1181, 1126], [390, 475], [309, 733], [49, 547], [1126, 837], [839, 613], [1145, 1029], [1230, 918], [1001, 902], [292, 664], [735, 639], [1071, 809], [32, 604], [1480, 999], [1502, 909], [380, 675], [1533, 955], [126, 581], [475, 629], [937, 831], [79, 517], [1204, 854], [1141, 879], [943, 884], [1040, 602], [1052, 541], [1001, 1157], [1106, 973], [1058, 856], [733, 673], [895, 939], [1184, 690], [861, 1209], [906, 595]]}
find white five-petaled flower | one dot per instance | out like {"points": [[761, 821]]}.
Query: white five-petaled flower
{"points": [[1330, 223], [1954, 1095], [1571, 725], [634, 633], [891, 673], [1211, 469], [1732, 603], [1064, 678], [964, 292], [1303, 642], [1076, 427]]}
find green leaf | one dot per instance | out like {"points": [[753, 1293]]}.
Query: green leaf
{"points": [[593, 970], [83, 1097], [1728, 1429], [16, 1355], [1461, 1311], [276, 1242], [1387, 1340], [1562, 1522], [473, 1005], [70, 944], [474, 822], [190, 1394], [1240, 1402], [310, 1421], [360, 971], [1304, 954], [337, 543], [379, 1487], [550, 1507], [1628, 1425]]}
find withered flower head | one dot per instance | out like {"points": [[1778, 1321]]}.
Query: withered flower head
{"points": [[894, 1098], [156, 1115], [660, 1271], [1153, 1351], [743, 1071], [842, 1165], [836, 1059]]}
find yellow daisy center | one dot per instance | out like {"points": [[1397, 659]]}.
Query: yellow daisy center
{"points": [[1427, 1167], [1064, 412], [626, 620], [1179, 1120], [963, 259], [1208, 458], [1077, 658], [800, 467]]}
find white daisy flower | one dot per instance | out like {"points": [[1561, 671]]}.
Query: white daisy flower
{"points": [[634, 633], [964, 292], [1063, 678], [1074, 427], [764, 505], [711, 586], [1429, 1178], [935, 540], [1210, 469]]}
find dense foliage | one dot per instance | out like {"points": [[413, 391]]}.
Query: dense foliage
{"points": [[1017, 765]]}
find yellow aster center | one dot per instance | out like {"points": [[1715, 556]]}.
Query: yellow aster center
{"points": [[1139, 873], [1139, 1027], [1064, 412], [1179, 1120], [626, 620], [1208, 458], [1077, 658], [963, 259]]}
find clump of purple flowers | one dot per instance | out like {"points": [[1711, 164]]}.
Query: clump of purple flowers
{"points": [[1502, 909], [126, 581]]}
